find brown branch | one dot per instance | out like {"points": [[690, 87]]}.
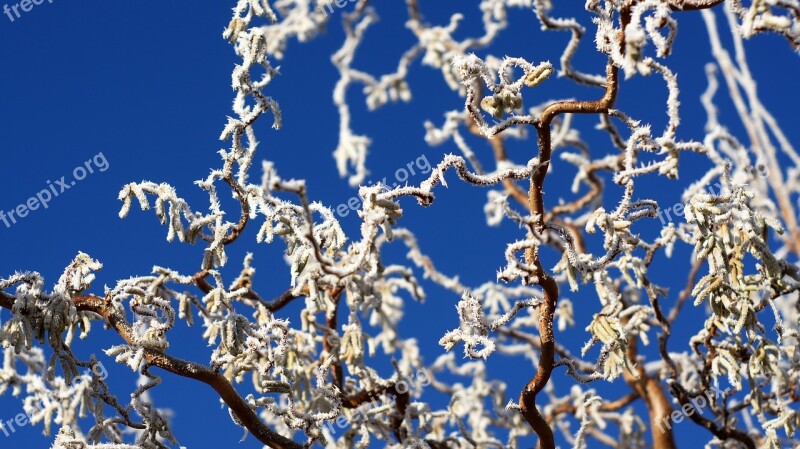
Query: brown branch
{"points": [[527, 398], [244, 217], [786, 209], [575, 232], [515, 191], [413, 10], [550, 287], [240, 408], [281, 301], [6, 300], [401, 401], [684, 397], [595, 184], [332, 323], [604, 407], [658, 406], [582, 365], [722, 433], [687, 291], [580, 203], [364, 396], [499, 148], [595, 190], [199, 280]]}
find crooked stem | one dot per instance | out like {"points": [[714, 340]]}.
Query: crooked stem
{"points": [[544, 370], [245, 414]]}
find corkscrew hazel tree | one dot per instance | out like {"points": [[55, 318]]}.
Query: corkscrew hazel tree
{"points": [[311, 370]]}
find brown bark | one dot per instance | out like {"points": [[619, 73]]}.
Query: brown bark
{"points": [[240, 408]]}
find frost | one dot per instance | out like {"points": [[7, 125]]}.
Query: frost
{"points": [[313, 355]]}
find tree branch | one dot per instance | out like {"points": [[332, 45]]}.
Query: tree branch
{"points": [[240, 408], [550, 287]]}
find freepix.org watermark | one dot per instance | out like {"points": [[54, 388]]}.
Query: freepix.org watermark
{"points": [[9, 426], [696, 405], [54, 188], [25, 6], [665, 214], [420, 166], [406, 385], [327, 8]]}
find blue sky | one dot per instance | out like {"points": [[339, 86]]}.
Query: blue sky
{"points": [[148, 86]]}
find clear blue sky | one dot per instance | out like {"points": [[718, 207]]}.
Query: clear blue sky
{"points": [[148, 85]]}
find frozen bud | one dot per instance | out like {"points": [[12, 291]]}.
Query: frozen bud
{"points": [[493, 105], [511, 100], [777, 23], [539, 74], [467, 67], [236, 26], [606, 329]]}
